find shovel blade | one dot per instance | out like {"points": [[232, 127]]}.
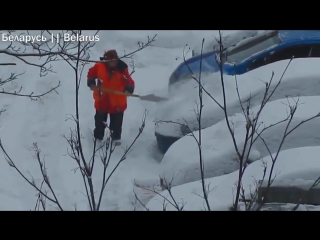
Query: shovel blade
{"points": [[153, 98]]}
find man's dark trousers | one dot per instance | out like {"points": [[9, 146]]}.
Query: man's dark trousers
{"points": [[115, 125]]}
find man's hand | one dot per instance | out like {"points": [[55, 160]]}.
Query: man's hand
{"points": [[127, 93], [94, 88]]}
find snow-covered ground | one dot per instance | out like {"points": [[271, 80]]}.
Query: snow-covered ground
{"points": [[44, 122]]}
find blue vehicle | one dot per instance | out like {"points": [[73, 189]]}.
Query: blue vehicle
{"points": [[255, 52], [249, 54]]}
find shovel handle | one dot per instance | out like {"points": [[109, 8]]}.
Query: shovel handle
{"points": [[118, 92]]}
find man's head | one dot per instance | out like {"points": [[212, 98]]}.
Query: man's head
{"points": [[111, 57]]}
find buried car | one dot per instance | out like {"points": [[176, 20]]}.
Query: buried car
{"points": [[253, 59], [218, 151], [300, 164]]}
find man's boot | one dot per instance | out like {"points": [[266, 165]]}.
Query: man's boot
{"points": [[98, 134], [116, 142]]}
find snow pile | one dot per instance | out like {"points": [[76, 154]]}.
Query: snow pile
{"points": [[219, 153], [301, 79], [229, 39], [223, 188]]}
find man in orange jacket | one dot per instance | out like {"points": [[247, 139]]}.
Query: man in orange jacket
{"points": [[110, 74]]}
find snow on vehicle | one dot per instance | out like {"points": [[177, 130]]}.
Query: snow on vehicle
{"points": [[293, 164], [219, 155], [247, 57]]}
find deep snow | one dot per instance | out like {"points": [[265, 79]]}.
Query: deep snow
{"points": [[44, 122]]}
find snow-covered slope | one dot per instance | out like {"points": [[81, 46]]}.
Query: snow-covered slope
{"points": [[44, 122], [292, 164]]}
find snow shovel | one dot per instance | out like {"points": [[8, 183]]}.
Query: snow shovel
{"points": [[149, 97]]}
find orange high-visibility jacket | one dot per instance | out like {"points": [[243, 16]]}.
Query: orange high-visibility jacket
{"points": [[118, 80]]}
